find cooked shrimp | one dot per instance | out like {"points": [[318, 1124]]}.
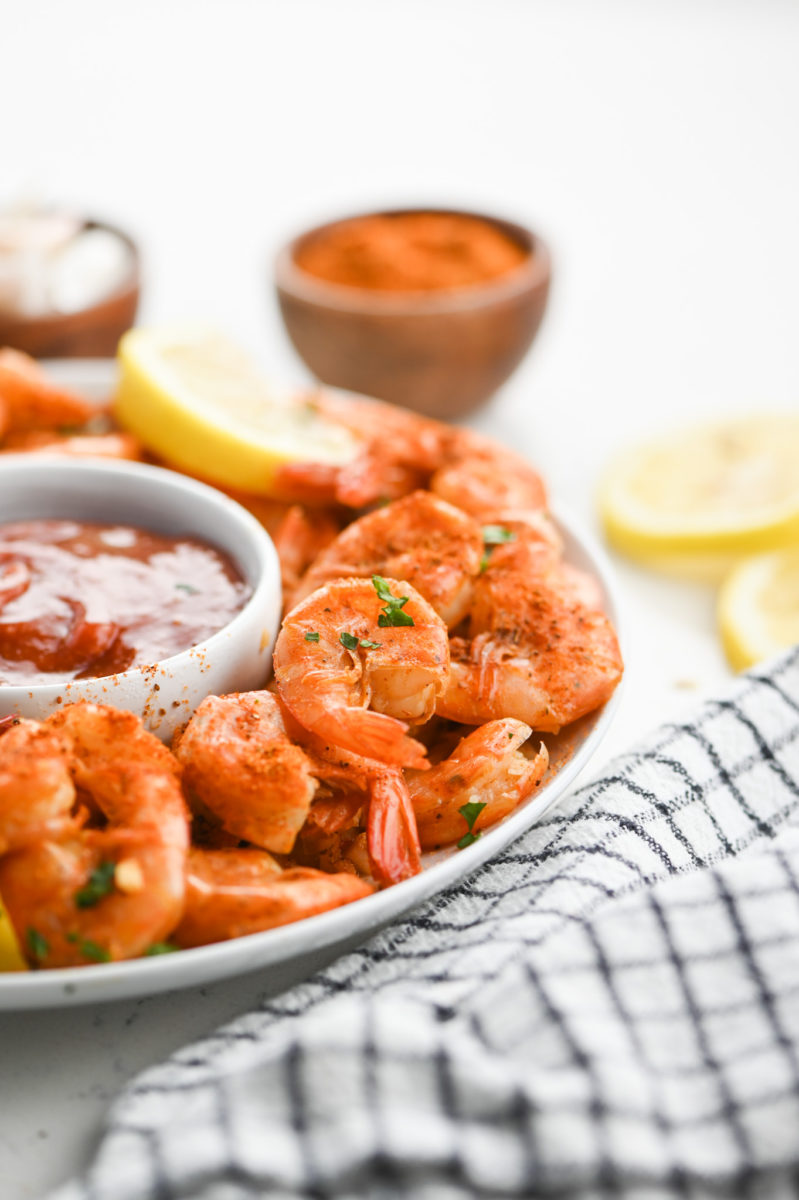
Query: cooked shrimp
{"points": [[99, 445], [94, 894], [356, 681], [356, 791], [483, 478], [400, 450], [239, 763], [420, 539], [536, 651], [36, 789], [486, 767], [31, 401], [230, 893], [300, 538]]}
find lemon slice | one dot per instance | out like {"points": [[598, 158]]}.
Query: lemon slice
{"points": [[698, 500], [197, 400], [758, 607], [10, 957]]}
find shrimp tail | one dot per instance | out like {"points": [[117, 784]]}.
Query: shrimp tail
{"points": [[376, 735], [392, 836]]}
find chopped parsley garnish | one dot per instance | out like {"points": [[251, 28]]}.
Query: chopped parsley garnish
{"points": [[37, 944], [392, 614], [470, 813], [88, 948], [351, 642], [484, 561], [312, 636], [188, 588], [160, 948], [101, 882], [497, 535]]}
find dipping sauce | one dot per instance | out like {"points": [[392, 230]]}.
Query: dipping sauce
{"points": [[80, 600], [410, 252]]}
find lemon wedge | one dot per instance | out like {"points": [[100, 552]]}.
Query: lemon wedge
{"points": [[758, 607], [10, 957], [197, 400], [697, 501]]}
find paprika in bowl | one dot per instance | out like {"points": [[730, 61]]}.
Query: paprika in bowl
{"points": [[429, 308], [128, 585]]}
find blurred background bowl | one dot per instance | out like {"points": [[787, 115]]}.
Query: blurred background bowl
{"points": [[440, 352], [236, 658], [91, 332]]}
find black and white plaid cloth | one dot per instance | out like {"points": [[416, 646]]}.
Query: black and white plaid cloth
{"points": [[610, 1008]]}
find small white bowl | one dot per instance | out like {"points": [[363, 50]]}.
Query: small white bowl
{"points": [[237, 658]]}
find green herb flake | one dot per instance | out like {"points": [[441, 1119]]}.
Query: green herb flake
{"points": [[348, 640], [37, 944], [88, 948], [392, 614], [470, 813], [101, 882], [468, 839], [367, 645], [160, 948], [484, 563], [497, 535], [312, 636], [187, 588]]}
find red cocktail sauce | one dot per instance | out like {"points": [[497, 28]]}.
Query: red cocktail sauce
{"points": [[79, 600]]}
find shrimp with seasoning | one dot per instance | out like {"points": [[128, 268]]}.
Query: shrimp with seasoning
{"points": [[420, 539], [535, 650], [29, 401], [84, 894], [482, 478], [487, 768], [358, 661], [36, 789], [299, 539], [96, 445], [231, 893], [239, 763]]}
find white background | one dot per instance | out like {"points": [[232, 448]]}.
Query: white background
{"points": [[653, 145]]}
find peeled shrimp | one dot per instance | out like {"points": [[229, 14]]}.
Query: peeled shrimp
{"points": [[239, 763], [400, 450], [36, 789], [420, 539], [300, 538], [93, 894], [483, 478], [28, 400], [98, 445], [486, 767], [230, 893], [355, 791], [362, 698], [536, 650]]}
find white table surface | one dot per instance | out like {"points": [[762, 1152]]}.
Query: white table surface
{"points": [[653, 145]]}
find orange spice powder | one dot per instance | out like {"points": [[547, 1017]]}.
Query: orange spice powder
{"points": [[410, 252]]}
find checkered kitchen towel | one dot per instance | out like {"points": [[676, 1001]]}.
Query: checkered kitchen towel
{"points": [[610, 1008]]}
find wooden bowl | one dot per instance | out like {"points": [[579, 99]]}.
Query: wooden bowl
{"points": [[89, 333], [442, 353]]}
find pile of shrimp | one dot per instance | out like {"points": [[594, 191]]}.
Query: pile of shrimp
{"points": [[432, 633]]}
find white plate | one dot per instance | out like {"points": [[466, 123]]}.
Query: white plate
{"points": [[190, 968]]}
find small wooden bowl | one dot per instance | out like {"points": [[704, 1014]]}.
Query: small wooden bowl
{"points": [[441, 353], [89, 333]]}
